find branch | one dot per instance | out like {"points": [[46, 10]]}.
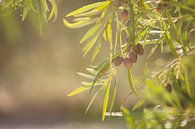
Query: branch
{"points": [[157, 74]]}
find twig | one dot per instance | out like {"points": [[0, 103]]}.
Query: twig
{"points": [[162, 70], [173, 62]]}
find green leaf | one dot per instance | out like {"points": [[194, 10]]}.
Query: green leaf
{"points": [[81, 19], [86, 8], [105, 5], [101, 68], [79, 24], [172, 25], [131, 82], [91, 32], [169, 40], [78, 90], [128, 117], [187, 86], [54, 10], [138, 104], [92, 71], [109, 32], [86, 76], [91, 13], [93, 98], [113, 96], [106, 98], [96, 51], [44, 9], [89, 45], [27, 8], [179, 27], [104, 36]]}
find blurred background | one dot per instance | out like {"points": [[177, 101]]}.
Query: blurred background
{"points": [[38, 69]]}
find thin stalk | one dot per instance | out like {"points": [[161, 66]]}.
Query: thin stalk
{"points": [[131, 26]]}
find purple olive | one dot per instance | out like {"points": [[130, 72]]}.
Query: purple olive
{"points": [[118, 61], [128, 63], [133, 56], [124, 15], [139, 49], [168, 87]]}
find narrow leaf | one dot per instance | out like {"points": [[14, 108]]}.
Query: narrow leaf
{"points": [[91, 32], [106, 98], [85, 8], [128, 117], [54, 10], [131, 82], [78, 90], [79, 24], [93, 98], [86, 76], [113, 96]]}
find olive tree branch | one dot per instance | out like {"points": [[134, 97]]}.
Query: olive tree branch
{"points": [[160, 72]]}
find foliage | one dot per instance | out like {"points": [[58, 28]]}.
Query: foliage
{"points": [[129, 26], [45, 9]]}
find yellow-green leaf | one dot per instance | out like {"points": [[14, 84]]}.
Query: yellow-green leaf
{"points": [[86, 76], [106, 98], [79, 24], [78, 90], [89, 45], [91, 32], [86, 8], [54, 10], [93, 98]]}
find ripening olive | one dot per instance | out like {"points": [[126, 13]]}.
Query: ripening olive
{"points": [[124, 15], [139, 49], [129, 48], [128, 63], [133, 56], [118, 61], [168, 87]]}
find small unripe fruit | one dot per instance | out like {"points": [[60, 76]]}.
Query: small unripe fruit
{"points": [[133, 56], [118, 61], [128, 63], [124, 15], [139, 49]]}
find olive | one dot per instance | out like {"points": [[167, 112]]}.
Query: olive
{"points": [[124, 15], [118, 61], [128, 63], [129, 48], [168, 87], [133, 56], [139, 49]]}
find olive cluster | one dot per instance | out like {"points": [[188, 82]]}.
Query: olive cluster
{"points": [[131, 56]]}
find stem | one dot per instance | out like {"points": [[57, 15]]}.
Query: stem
{"points": [[131, 26]]}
